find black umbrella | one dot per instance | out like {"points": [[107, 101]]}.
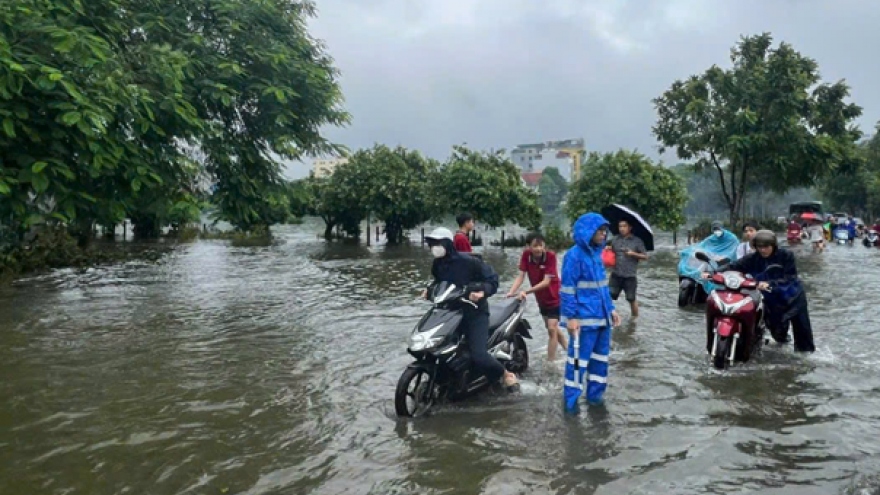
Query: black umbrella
{"points": [[640, 228]]}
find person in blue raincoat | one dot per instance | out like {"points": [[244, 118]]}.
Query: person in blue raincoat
{"points": [[720, 243], [587, 311]]}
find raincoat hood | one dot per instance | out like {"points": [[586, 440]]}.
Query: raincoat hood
{"points": [[727, 242], [585, 228]]}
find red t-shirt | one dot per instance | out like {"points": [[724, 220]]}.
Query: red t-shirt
{"points": [[461, 243], [537, 270]]}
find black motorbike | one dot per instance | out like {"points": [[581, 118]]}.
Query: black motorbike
{"points": [[443, 369]]}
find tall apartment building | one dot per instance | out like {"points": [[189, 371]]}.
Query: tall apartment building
{"points": [[538, 156], [324, 167]]}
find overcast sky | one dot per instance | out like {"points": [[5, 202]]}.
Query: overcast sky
{"points": [[428, 74]]}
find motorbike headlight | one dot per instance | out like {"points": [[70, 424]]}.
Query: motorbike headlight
{"points": [[420, 341], [733, 281]]}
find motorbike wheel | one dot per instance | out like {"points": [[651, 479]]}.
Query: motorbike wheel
{"points": [[720, 359], [519, 361], [684, 296], [414, 395]]}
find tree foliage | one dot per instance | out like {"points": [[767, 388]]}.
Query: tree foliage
{"points": [[336, 201], [631, 179], [552, 189], [766, 118], [403, 189], [103, 103], [395, 187], [489, 186], [856, 188]]}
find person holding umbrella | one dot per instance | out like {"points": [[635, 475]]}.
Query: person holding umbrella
{"points": [[629, 249]]}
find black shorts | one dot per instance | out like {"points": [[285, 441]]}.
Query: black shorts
{"points": [[625, 284], [550, 313]]}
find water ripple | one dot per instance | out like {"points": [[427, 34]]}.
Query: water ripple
{"points": [[263, 370]]}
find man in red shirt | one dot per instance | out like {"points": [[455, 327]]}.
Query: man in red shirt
{"points": [[462, 242], [540, 265]]}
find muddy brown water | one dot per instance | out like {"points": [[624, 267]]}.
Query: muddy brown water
{"points": [[271, 370]]}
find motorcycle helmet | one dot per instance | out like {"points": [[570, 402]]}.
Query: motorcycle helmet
{"points": [[764, 238], [439, 233], [440, 242]]}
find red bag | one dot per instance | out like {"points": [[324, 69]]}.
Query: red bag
{"points": [[609, 259]]}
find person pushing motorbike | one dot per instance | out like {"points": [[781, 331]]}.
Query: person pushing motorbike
{"points": [[785, 299], [465, 270]]}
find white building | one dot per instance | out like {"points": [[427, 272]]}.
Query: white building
{"points": [[324, 167], [538, 156]]}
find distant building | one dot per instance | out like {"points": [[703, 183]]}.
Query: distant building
{"points": [[538, 156], [324, 167], [532, 179]]}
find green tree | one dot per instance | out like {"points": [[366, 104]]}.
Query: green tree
{"points": [[299, 198], [552, 189], [336, 200], [856, 188], [395, 187], [489, 186], [765, 118], [89, 122], [101, 102], [265, 87], [631, 179]]}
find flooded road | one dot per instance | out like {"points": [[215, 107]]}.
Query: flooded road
{"points": [[271, 370]]}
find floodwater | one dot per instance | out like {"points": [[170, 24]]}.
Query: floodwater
{"points": [[271, 370]]}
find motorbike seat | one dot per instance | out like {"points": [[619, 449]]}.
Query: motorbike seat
{"points": [[499, 312]]}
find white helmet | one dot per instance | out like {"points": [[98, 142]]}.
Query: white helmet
{"points": [[439, 234]]}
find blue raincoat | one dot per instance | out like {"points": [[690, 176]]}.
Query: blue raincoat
{"points": [[689, 266], [584, 296]]}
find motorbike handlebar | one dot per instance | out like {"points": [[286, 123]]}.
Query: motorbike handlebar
{"points": [[466, 300]]}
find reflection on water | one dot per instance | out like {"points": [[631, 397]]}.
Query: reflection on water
{"points": [[263, 370]]}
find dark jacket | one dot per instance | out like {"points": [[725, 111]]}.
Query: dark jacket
{"points": [[465, 270], [787, 284]]}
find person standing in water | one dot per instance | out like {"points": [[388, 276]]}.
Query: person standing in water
{"points": [[462, 240], [745, 247], [629, 250], [588, 312], [540, 265]]}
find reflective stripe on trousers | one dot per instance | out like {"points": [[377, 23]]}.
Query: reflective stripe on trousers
{"points": [[595, 346]]}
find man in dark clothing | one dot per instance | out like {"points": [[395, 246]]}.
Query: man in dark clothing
{"points": [[465, 270], [462, 240], [785, 300]]}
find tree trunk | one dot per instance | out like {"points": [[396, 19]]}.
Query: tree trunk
{"points": [[82, 230], [145, 227], [393, 233], [328, 230]]}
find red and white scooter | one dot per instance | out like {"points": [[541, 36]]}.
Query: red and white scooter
{"points": [[734, 317]]}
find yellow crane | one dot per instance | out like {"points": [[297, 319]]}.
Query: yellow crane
{"points": [[575, 154]]}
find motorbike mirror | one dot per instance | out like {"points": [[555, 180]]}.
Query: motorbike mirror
{"points": [[700, 255]]}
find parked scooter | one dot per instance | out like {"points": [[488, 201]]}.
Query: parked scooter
{"points": [[735, 324], [692, 289], [443, 368], [871, 239]]}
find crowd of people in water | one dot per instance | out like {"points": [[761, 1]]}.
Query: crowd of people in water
{"points": [[580, 298]]}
